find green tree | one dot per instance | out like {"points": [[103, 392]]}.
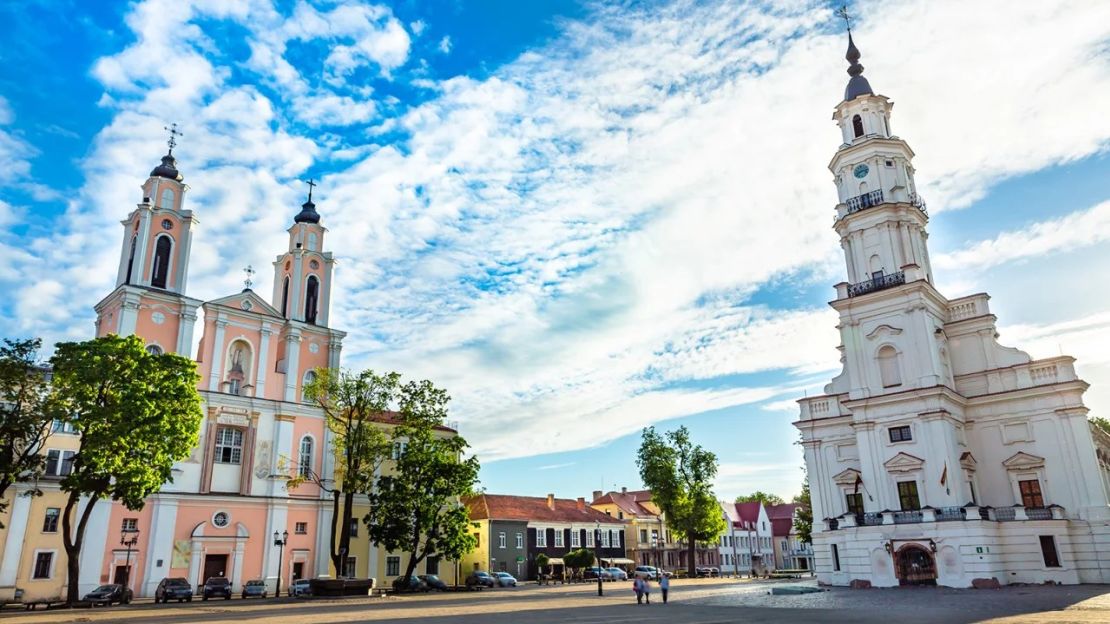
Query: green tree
{"points": [[415, 507], [762, 497], [352, 405], [136, 415], [25, 415], [803, 518], [680, 476], [578, 560], [1101, 423], [541, 564]]}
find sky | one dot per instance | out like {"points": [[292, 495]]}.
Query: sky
{"points": [[580, 218]]}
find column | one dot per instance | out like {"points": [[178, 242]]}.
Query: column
{"points": [[196, 555], [182, 272], [92, 550], [185, 330], [323, 533], [292, 361], [335, 347], [325, 309], [296, 286], [263, 362], [137, 276], [128, 314], [217, 355], [237, 566], [13, 542], [163, 521]]}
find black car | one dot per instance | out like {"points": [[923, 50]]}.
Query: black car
{"points": [[255, 588], [217, 586], [413, 584], [107, 594], [173, 589], [478, 578], [433, 582]]}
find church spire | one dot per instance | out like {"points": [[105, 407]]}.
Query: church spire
{"points": [[308, 212], [857, 84], [168, 168]]}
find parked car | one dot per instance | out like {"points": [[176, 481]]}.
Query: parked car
{"points": [[410, 584], [646, 572], [433, 582], [707, 572], [594, 572], [504, 579], [256, 587], [173, 589], [216, 586], [478, 578], [617, 574], [300, 587], [107, 594]]}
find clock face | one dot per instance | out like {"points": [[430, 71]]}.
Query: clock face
{"points": [[860, 171]]}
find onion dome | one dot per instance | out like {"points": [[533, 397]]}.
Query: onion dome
{"points": [[168, 169], [307, 214], [857, 85]]}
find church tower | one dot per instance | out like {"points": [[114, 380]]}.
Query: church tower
{"points": [[302, 275], [149, 298]]}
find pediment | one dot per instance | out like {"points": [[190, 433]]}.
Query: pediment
{"points": [[903, 462], [847, 477], [247, 301], [967, 461], [1023, 461], [883, 330]]}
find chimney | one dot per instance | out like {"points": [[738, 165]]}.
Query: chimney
{"points": [[624, 490], [551, 501], [581, 504], [597, 494]]}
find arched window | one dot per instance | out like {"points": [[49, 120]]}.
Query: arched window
{"points": [[154, 349], [312, 241], [312, 293], [304, 467], [888, 367], [167, 198], [160, 271], [876, 266], [131, 259], [285, 296], [857, 126], [239, 359], [309, 377]]}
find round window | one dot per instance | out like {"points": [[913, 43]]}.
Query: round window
{"points": [[312, 264], [167, 224], [221, 519]]}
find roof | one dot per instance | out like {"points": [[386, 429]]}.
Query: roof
{"points": [[533, 508], [628, 502], [748, 512], [390, 417], [784, 510], [780, 527]]}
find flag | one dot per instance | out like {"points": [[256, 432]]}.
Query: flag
{"points": [[944, 475], [859, 482]]}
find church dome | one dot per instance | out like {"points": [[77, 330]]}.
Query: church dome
{"points": [[857, 84], [168, 169], [307, 214]]}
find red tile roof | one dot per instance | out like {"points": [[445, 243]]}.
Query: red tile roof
{"points": [[529, 508], [748, 512], [628, 502], [785, 510]]}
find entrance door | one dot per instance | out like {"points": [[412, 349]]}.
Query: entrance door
{"points": [[916, 566], [298, 570], [122, 575], [214, 565]]}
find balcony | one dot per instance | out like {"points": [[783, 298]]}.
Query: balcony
{"points": [[1016, 513], [865, 201], [881, 282]]}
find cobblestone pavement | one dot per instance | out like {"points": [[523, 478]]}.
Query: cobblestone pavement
{"points": [[704, 601]]}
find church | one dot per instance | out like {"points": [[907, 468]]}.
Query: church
{"points": [[938, 456]]}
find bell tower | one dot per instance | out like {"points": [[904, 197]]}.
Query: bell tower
{"points": [[302, 275]]}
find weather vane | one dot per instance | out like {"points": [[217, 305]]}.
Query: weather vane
{"points": [[311, 185], [174, 133], [842, 13], [250, 274]]}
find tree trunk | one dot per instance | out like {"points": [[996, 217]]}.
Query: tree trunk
{"points": [[414, 558], [72, 543], [691, 566], [334, 554]]}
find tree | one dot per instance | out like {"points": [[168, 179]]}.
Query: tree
{"points": [[680, 477], [136, 415], [415, 508], [352, 405], [577, 560], [541, 564], [1101, 423], [762, 497], [803, 517], [25, 415]]}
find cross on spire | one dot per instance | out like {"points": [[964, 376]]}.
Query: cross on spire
{"points": [[842, 13], [249, 270], [174, 133], [311, 185]]}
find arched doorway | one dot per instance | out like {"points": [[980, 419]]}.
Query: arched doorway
{"points": [[915, 566]]}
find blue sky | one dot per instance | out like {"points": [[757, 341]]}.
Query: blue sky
{"points": [[581, 218]]}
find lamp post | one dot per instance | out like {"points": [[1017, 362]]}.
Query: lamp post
{"points": [[129, 542], [280, 539], [597, 553]]}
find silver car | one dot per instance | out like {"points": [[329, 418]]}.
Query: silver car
{"points": [[504, 579], [617, 574]]}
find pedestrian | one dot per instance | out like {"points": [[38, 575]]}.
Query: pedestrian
{"points": [[638, 587], [647, 590], [664, 585]]}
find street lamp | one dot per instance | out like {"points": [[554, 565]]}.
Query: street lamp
{"points": [[280, 540], [129, 542], [597, 553]]}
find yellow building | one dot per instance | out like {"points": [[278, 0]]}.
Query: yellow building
{"points": [[649, 540]]}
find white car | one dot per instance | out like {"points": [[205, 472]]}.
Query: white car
{"points": [[300, 587], [646, 572], [617, 574], [504, 579]]}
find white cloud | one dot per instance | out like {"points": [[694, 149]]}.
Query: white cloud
{"points": [[445, 44]]}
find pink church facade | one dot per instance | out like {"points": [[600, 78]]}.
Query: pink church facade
{"points": [[254, 357]]}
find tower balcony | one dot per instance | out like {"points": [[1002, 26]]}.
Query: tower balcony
{"points": [[874, 198], [881, 282]]}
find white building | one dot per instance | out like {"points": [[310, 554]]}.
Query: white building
{"points": [[747, 545], [938, 455]]}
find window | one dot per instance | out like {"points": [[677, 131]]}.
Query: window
{"points": [[167, 199], [478, 540], [392, 566], [62, 426], [431, 564], [575, 538], [558, 538], [1048, 551], [285, 296], [352, 528], [131, 259], [616, 538], [312, 241], [519, 540], [312, 293], [161, 269], [44, 564], [130, 525], [541, 538], [604, 538], [620, 515], [501, 539], [900, 434], [643, 536], [1031, 493], [398, 450], [590, 538], [59, 463], [857, 126], [907, 496], [503, 566], [309, 377], [350, 567], [888, 367], [305, 466], [301, 528], [229, 445], [855, 503], [835, 557], [890, 163], [50, 520], [153, 349]]}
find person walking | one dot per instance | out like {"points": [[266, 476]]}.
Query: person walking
{"points": [[638, 587], [664, 585], [647, 591]]}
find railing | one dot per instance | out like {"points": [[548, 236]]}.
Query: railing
{"points": [[862, 202], [879, 283], [907, 517], [919, 202], [945, 514], [1002, 514], [1038, 513], [869, 519]]}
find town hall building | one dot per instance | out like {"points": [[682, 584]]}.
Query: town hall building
{"points": [[938, 456]]}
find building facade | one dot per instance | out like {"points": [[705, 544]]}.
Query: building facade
{"points": [[938, 456], [791, 553], [649, 538]]}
